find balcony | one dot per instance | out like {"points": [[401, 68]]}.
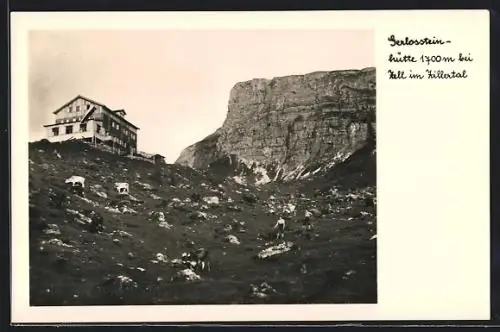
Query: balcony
{"points": [[103, 135], [66, 137]]}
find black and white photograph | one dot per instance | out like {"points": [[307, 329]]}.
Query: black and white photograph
{"points": [[178, 167]]}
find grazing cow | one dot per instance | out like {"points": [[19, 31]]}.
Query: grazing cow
{"points": [[77, 183], [122, 188], [307, 228], [197, 259], [96, 224], [280, 227]]}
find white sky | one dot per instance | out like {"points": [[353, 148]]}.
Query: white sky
{"points": [[175, 84]]}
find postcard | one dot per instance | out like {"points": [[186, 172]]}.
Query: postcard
{"points": [[250, 166]]}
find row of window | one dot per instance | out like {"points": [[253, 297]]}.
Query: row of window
{"points": [[116, 126], [120, 142], [83, 128], [69, 129], [128, 133], [77, 108], [75, 119]]}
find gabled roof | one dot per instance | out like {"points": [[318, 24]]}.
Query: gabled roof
{"points": [[78, 97], [104, 107], [121, 118]]}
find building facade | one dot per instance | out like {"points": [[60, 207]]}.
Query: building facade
{"points": [[85, 119]]}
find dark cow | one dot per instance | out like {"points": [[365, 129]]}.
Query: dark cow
{"points": [[97, 222]]}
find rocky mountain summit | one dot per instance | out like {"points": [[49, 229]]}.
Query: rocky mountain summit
{"points": [[288, 126]]}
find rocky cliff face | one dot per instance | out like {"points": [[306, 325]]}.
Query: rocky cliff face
{"points": [[287, 123]]}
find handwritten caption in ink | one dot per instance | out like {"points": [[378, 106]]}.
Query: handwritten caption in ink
{"points": [[432, 60]]}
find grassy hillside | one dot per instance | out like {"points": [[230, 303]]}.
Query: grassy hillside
{"points": [[70, 265]]}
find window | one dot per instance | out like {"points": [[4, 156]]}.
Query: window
{"points": [[70, 109], [83, 127], [55, 131], [88, 106], [117, 126], [98, 128], [69, 129], [78, 108]]}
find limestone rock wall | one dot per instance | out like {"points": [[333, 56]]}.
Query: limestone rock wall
{"points": [[293, 120]]}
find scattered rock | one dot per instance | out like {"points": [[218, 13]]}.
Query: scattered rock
{"points": [[98, 190], [121, 233], [348, 274], [212, 200], [232, 239], [154, 196], [240, 180], [112, 209], [161, 258], [125, 209], [176, 262], [126, 282], [187, 275], [235, 208], [262, 291], [57, 242], [145, 186], [79, 217], [164, 224], [276, 250], [198, 215], [52, 229], [91, 202]]}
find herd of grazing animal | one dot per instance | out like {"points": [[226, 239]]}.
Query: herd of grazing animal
{"points": [[198, 259]]}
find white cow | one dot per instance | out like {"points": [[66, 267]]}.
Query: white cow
{"points": [[76, 181], [77, 184], [122, 188]]}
